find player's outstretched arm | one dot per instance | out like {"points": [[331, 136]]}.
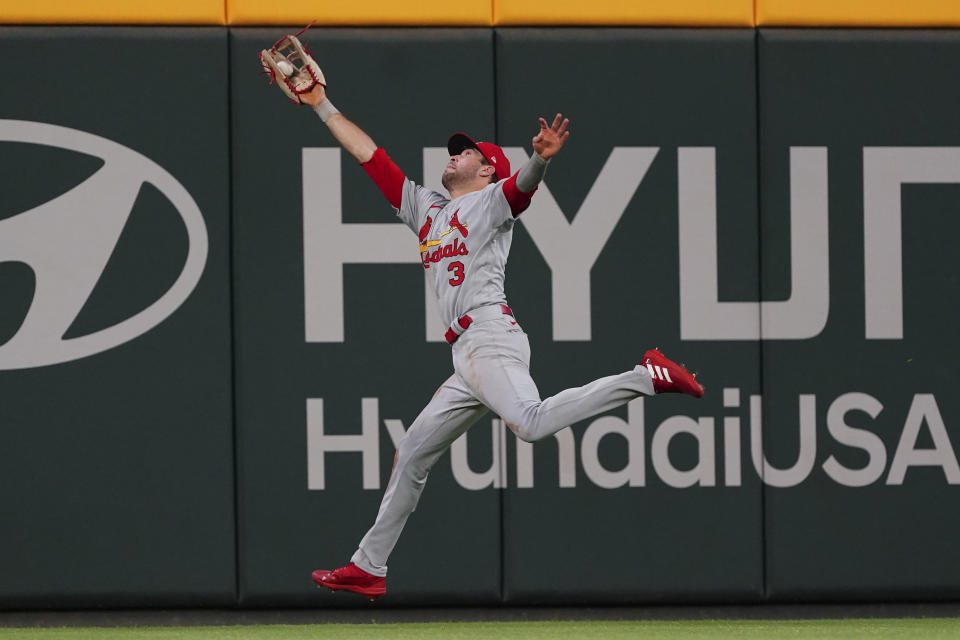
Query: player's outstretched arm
{"points": [[352, 138], [546, 144], [378, 165]]}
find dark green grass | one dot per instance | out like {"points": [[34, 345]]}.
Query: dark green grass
{"points": [[880, 629]]}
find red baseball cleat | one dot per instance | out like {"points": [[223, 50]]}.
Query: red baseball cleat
{"points": [[351, 578], [670, 377]]}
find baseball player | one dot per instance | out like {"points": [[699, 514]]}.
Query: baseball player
{"points": [[464, 240]]}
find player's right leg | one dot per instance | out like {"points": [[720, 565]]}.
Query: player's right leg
{"points": [[449, 414]]}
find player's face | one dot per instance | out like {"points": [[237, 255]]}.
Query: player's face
{"points": [[462, 168]]}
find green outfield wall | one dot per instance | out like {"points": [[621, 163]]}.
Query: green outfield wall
{"points": [[213, 329]]}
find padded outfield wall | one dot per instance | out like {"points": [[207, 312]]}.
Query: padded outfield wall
{"points": [[213, 329]]}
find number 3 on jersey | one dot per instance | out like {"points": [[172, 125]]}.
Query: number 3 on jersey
{"points": [[458, 276]]}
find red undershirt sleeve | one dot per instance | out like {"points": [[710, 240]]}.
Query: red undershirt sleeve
{"points": [[388, 176], [518, 200]]}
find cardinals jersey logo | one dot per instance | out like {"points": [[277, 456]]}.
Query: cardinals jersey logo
{"points": [[425, 229], [424, 232], [425, 245], [455, 224], [446, 251]]}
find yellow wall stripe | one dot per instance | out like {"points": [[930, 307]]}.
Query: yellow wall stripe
{"points": [[209, 12], [692, 13], [859, 13], [360, 12], [705, 13]]}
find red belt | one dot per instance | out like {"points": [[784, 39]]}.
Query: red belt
{"points": [[465, 321]]}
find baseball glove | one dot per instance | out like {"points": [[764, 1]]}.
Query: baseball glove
{"points": [[291, 67]]}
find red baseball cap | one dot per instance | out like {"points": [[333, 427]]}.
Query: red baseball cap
{"points": [[494, 154]]}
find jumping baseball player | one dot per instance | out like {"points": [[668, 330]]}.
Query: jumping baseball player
{"points": [[464, 240]]}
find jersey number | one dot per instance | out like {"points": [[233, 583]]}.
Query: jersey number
{"points": [[457, 268]]}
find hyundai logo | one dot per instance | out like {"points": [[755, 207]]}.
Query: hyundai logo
{"points": [[68, 241]]}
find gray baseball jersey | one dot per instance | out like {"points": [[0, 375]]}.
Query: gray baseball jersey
{"points": [[464, 243]]}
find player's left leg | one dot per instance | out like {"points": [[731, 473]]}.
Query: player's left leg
{"points": [[493, 358]]}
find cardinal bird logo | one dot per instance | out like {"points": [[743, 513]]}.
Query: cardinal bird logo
{"points": [[425, 229], [455, 224]]}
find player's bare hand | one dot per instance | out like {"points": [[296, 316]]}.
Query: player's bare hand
{"points": [[551, 137], [314, 97]]}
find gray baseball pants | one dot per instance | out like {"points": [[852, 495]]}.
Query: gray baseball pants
{"points": [[491, 363]]}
